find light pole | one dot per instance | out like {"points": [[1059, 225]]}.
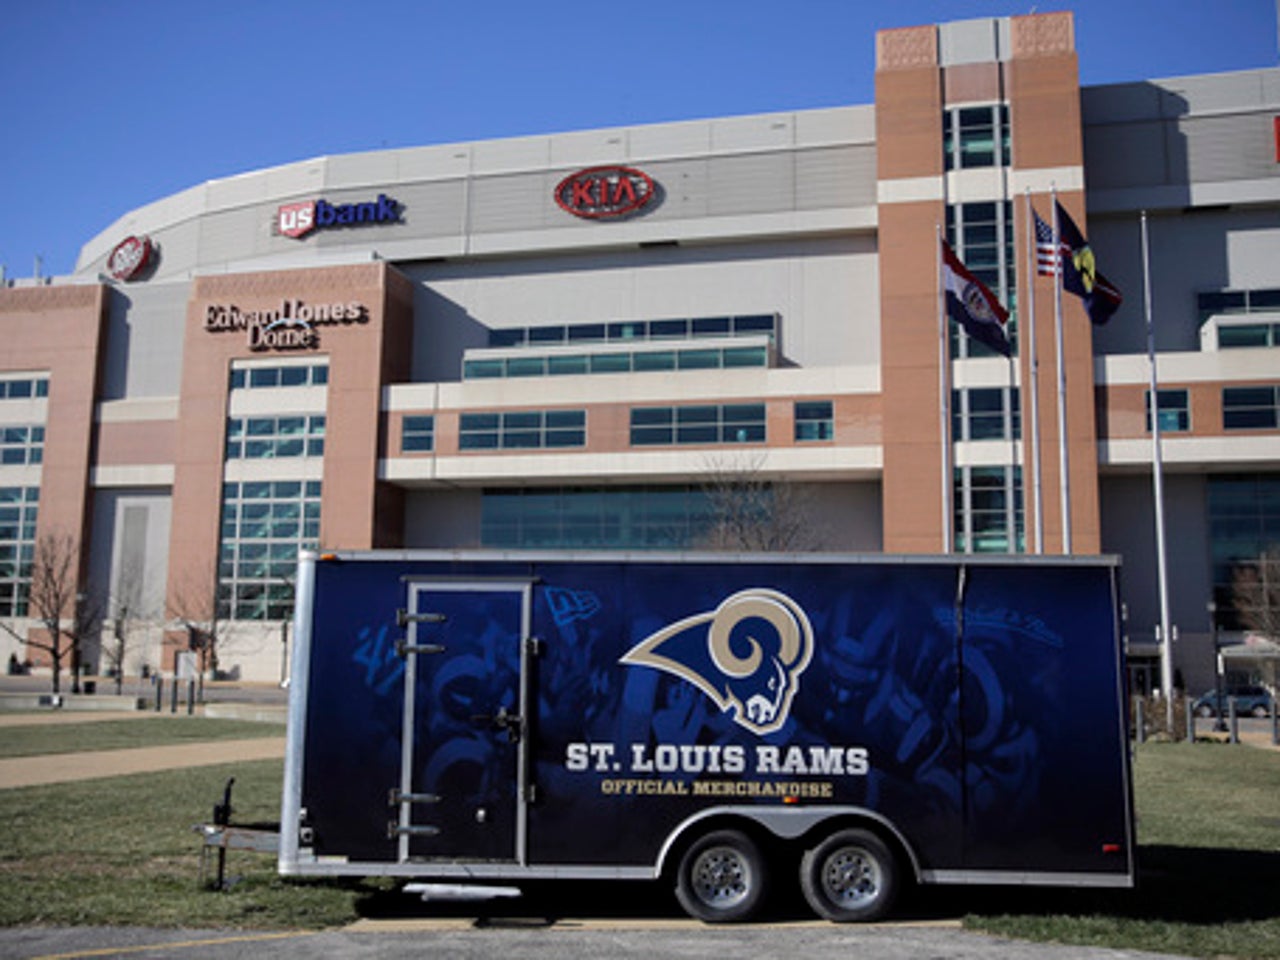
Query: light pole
{"points": [[1218, 723]]}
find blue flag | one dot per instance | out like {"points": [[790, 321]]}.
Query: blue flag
{"points": [[1080, 272]]}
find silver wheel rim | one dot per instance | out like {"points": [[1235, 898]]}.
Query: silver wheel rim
{"points": [[851, 877], [721, 877]]}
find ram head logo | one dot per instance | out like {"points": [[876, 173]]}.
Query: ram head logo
{"points": [[746, 655]]}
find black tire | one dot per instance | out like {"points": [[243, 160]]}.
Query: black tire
{"points": [[722, 878], [851, 877], [1261, 711]]}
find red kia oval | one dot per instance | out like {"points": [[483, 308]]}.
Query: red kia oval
{"points": [[598, 193]]}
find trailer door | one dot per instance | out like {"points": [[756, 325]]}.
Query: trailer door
{"points": [[463, 753]]}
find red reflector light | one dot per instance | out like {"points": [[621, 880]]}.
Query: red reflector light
{"points": [[1111, 848], [328, 556], [790, 800]]}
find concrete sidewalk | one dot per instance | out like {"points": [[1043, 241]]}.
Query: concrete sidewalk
{"points": [[66, 767]]}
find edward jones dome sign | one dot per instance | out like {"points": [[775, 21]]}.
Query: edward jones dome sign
{"points": [[601, 193]]}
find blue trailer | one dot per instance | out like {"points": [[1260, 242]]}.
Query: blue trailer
{"points": [[726, 724]]}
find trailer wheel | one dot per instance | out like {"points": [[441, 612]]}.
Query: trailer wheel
{"points": [[722, 878], [850, 877]]}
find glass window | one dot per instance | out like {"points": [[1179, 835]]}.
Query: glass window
{"points": [[814, 421], [21, 445], [17, 548], [985, 413], [982, 236], [663, 360], [417, 434], [988, 510], [261, 539], [616, 518], [482, 369], [254, 438], [522, 430], [611, 363], [731, 423], [1249, 408], [1236, 335], [1175, 411], [698, 359], [664, 329], [566, 365], [1244, 523], [526, 366]]}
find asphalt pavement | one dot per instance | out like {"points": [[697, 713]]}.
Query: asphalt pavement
{"points": [[467, 940]]}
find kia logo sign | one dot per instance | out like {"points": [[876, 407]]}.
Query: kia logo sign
{"points": [[130, 258], [600, 193]]}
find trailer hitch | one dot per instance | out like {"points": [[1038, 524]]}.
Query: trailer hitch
{"points": [[512, 724]]}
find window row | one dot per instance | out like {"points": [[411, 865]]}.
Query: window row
{"points": [[257, 438], [22, 388], [677, 329], [21, 445], [609, 518], [631, 362], [650, 426], [522, 430], [251, 378], [19, 507], [1243, 408]]}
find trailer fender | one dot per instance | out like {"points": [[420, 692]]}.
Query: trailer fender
{"points": [[785, 824]]}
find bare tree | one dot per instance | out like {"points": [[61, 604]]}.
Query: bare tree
{"points": [[66, 612], [193, 603], [126, 615], [1255, 591], [754, 512]]}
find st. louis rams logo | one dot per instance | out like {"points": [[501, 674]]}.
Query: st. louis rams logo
{"points": [[747, 655]]}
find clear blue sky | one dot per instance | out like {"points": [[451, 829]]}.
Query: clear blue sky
{"points": [[109, 106]]}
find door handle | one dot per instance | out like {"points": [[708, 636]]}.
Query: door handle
{"points": [[512, 724]]}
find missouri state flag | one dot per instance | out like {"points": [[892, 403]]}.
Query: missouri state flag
{"points": [[1079, 268], [973, 306]]}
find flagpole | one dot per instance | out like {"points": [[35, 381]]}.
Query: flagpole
{"points": [[944, 396], [1064, 472], [1037, 487], [1157, 479]]}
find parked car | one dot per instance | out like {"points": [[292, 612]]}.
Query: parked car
{"points": [[1251, 699]]}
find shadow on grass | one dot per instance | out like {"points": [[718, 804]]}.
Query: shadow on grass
{"points": [[1180, 885], [1184, 885]]}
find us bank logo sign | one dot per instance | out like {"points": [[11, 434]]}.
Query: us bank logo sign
{"points": [[747, 655], [297, 220]]}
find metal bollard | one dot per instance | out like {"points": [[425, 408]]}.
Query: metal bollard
{"points": [[1275, 722], [191, 697], [1191, 720], [1233, 721], [1139, 721], [159, 691], [173, 696]]}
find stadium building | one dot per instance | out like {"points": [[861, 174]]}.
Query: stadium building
{"points": [[580, 340]]}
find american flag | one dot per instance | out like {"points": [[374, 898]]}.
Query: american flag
{"points": [[1044, 247]]}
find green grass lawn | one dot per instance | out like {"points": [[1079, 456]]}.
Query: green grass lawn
{"points": [[142, 731], [1209, 864], [121, 851]]}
